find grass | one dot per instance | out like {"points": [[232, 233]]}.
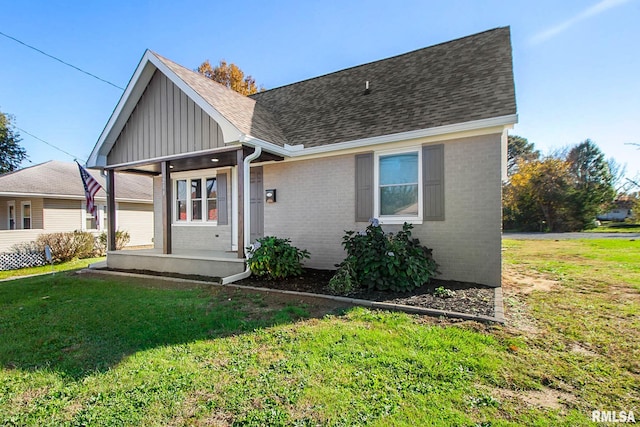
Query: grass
{"points": [[584, 336], [81, 350], [64, 266], [616, 227]]}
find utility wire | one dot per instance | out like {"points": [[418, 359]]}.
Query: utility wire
{"points": [[60, 60], [48, 143]]}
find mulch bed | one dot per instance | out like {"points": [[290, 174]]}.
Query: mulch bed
{"points": [[469, 298]]}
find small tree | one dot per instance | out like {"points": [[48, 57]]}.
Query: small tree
{"points": [[11, 153], [593, 183]]}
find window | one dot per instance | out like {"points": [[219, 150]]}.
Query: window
{"points": [[26, 215], [212, 199], [105, 218], [196, 200], [90, 221], [181, 200], [398, 184], [11, 214]]}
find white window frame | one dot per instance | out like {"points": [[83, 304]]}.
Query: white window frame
{"points": [[22, 205], [201, 175], [100, 226], [11, 204], [397, 219]]}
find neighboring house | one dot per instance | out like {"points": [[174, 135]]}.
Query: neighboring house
{"points": [[419, 137], [49, 197], [621, 210]]}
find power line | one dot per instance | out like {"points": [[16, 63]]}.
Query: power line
{"points": [[60, 60], [48, 143]]}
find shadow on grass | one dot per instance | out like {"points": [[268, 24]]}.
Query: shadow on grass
{"points": [[79, 324]]}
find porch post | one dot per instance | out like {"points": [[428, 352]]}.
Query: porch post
{"points": [[241, 213], [111, 210], [166, 207]]}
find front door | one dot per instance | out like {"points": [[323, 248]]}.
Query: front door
{"points": [[257, 204]]}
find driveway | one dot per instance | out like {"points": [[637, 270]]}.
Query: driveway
{"points": [[569, 236]]}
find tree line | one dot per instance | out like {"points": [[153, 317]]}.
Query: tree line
{"points": [[564, 191]]}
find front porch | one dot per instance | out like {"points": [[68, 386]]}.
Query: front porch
{"points": [[202, 263]]}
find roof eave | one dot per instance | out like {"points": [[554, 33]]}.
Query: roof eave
{"points": [[300, 151]]}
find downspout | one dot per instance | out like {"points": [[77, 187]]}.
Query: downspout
{"points": [[247, 212]]}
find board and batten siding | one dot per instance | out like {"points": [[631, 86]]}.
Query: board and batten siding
{"points": [[165, 122]]}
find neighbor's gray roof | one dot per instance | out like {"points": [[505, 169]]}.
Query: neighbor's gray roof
{"points": [[243, 112], [57, 178], [458, 81]]}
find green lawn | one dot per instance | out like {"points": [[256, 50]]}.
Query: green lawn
{"points": [[83, 350], [616, 227]]}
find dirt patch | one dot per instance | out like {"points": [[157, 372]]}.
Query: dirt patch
{"points": [[315, 307], [191, 408], [521, 283], [577, 348], [546, 398]]}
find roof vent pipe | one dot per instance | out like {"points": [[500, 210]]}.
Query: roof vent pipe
{"points": [[367, 91]]}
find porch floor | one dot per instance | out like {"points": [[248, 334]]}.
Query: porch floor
{"points": [[183, 261]]}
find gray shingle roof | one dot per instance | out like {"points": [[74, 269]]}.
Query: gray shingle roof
{"points": [[243, 112], [458, 81], [63, 179]]}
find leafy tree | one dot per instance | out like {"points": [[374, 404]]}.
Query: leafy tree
{"points": [[11, 153], [519, 148], [593, 183], [635, 208], [229, 75], [536, 197]]}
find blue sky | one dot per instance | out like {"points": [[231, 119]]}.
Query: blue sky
{"points": [[577, 63]]}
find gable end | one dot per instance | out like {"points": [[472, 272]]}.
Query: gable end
{"points": [[164, 122]]}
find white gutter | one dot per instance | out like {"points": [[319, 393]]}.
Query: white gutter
{"points": [[246, 170], [300, 150]]}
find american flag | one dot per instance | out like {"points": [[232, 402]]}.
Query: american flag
{"points": [[91, 187]]}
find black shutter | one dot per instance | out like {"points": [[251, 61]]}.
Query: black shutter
{"points": [[433, 180], [364, 187]]}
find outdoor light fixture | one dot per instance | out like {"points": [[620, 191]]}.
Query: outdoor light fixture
{"points": [[270, 196], [215, 160]]}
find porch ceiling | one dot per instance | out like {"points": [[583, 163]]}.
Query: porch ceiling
{"points": [[188, 162]]}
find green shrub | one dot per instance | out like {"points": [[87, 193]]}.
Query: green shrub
{"points": [[442, 292], [275, 258], [382, 261], [343, 281], [67, 246], [122, 239]]}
